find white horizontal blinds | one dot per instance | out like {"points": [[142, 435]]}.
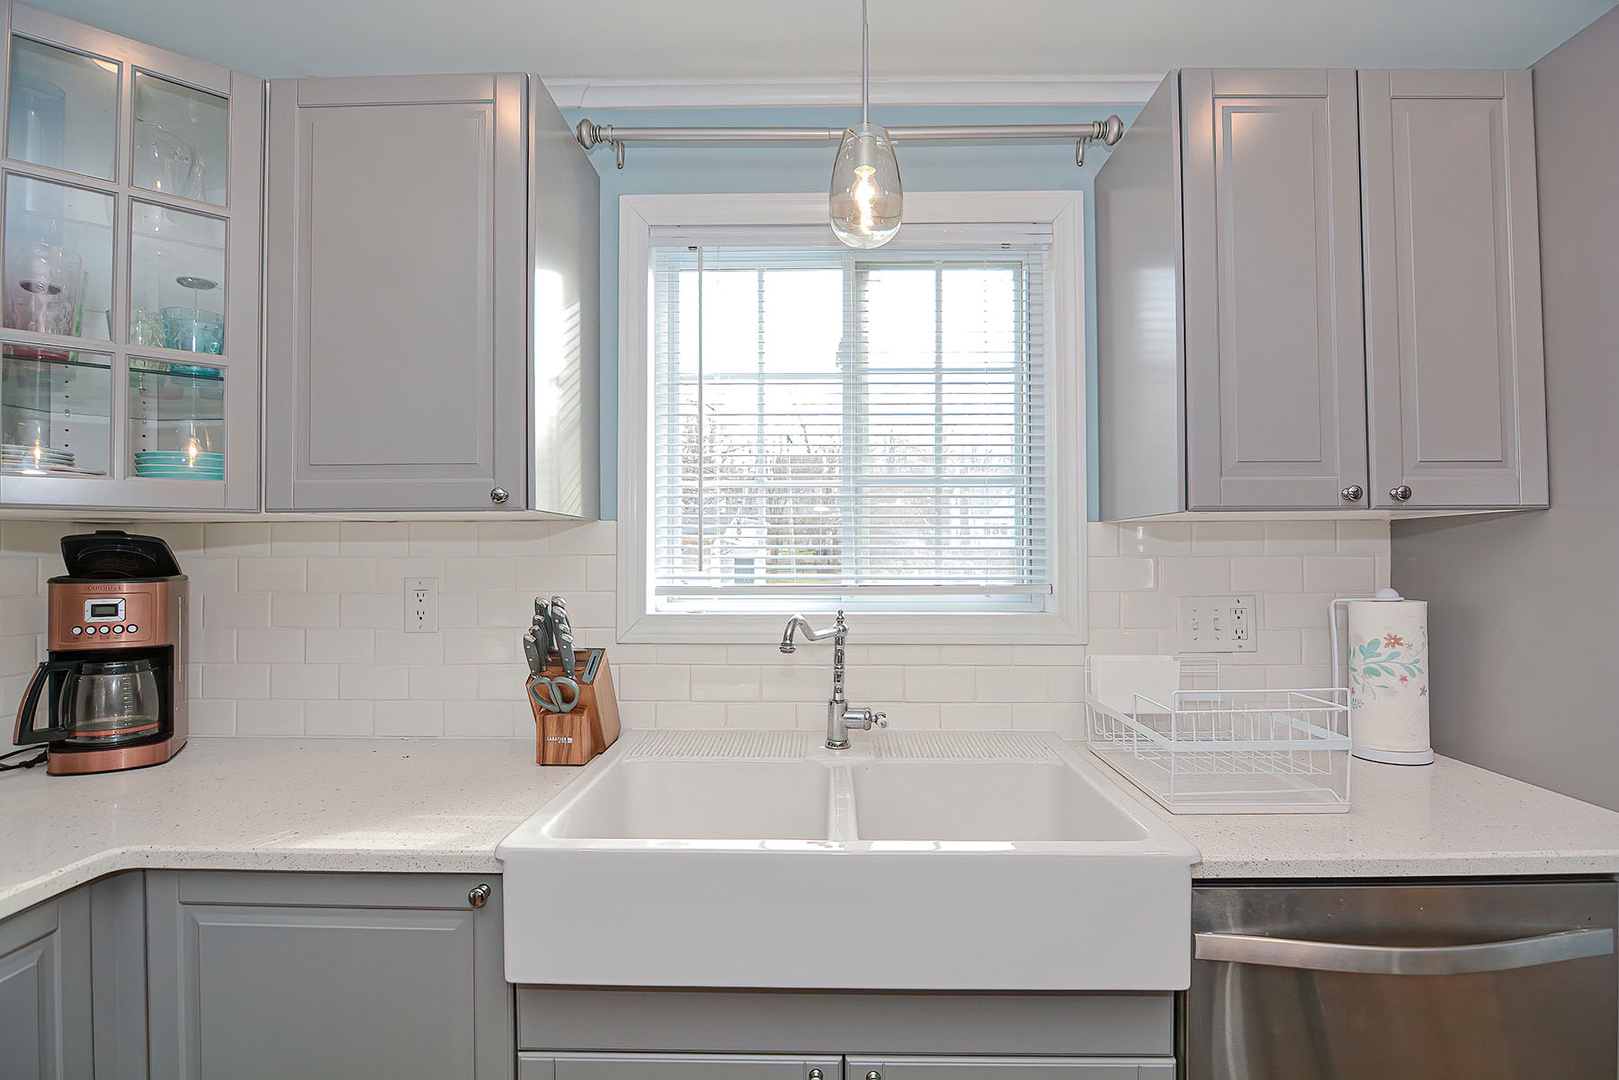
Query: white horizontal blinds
{"points": [[837, 424]]}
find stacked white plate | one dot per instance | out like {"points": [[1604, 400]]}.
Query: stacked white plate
{"points": [[179, 465], [19, 459], [19, 454]]}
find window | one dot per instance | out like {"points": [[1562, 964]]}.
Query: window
{"points": [[893, 432]]}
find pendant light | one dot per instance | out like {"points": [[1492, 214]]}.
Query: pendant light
{"points": [[864, 205]]}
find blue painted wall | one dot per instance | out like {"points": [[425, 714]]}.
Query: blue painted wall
{"points": [[954, 167]]}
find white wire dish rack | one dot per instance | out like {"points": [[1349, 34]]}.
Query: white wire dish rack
{"points": [[1202, 750]]}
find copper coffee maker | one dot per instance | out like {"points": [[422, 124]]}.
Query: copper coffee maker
{"points": [[114, 687]]}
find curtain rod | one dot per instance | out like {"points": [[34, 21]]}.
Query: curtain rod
{"points": [[1108, 132]]}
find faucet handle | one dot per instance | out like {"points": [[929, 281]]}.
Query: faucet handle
{"points": [[879, 719]]}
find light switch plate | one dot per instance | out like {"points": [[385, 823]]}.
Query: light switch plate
{"points": [[1218, 624]]}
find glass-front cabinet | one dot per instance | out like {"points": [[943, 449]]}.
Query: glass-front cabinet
{"points": [[129, 287]]}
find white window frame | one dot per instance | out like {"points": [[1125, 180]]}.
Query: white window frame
{"points": [[1064, 620]]}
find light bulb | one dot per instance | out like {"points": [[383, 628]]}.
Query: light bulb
{"points": [[865, 200]]}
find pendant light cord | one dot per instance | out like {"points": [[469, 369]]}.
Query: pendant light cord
{"points": [[865, 65]]}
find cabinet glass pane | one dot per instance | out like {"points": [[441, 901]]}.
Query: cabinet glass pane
{"points": [[64, 109], [180, 139], [58, 258], [54, 411], [176, 280], [176, 420]]}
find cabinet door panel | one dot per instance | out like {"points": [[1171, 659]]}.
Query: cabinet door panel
{"points": [[45, 991], [1457, 406], [676, 1067], [398, 342], [1274, 348], [256, 975]]}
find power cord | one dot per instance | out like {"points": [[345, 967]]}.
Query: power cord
{"points": [[37, 759]]}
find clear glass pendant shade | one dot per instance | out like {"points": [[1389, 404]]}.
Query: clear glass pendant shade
{"points": [[866, 197]]}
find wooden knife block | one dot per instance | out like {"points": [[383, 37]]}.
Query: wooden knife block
{"points": [[576, 736]]}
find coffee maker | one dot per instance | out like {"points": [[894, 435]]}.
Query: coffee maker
{"points": [[113, 686]]}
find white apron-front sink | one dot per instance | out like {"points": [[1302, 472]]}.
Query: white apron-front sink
{"points": [[915, 861]]}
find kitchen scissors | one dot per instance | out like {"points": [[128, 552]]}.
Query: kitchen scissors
{"points": [[547, 693]]}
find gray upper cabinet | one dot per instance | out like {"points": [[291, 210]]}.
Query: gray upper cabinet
{"points": [[1274, 356], [1453, 322], [416, 353], [1319, 290], [326, 975]]}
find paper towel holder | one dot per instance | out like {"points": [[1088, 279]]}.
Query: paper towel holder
{"points": [[1387, 757]]}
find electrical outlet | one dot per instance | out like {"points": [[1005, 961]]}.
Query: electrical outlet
{"points": [[1216, 624], [421, 605]]}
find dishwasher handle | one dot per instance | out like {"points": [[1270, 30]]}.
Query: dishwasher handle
{"points": [[1404, 960]]}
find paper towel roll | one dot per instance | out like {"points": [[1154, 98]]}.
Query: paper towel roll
{"points": [[1388, 680]]}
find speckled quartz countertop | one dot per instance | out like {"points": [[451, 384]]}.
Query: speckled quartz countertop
{"points": [[387, 805], [1448, 819], [441, 805]]}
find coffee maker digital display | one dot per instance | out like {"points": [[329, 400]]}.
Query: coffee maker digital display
{"points": [[112, 690]]}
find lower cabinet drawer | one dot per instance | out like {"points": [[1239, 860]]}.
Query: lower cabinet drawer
{"points": [[966, 1068], [676, 1067], [532, 1066]]}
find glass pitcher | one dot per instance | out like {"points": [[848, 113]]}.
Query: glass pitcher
{"points": [[111, 701]]}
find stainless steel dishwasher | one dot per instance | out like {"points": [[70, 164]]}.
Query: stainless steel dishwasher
{"points": [[1382, 982]]}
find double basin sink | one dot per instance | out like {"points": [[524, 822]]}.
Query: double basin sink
{"points": [[913, 861]]}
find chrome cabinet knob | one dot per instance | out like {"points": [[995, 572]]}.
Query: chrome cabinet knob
{"points": [[1353, 493], [499, 495], [874, 1075], [816, 1074], [1400, 494], [479, 896]]}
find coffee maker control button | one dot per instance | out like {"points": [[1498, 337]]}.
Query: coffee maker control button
{"points": [[106, 630], [133, 629], [77, 630], [118, 629]]}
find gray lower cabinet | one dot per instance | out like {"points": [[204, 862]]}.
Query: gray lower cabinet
{"points": [[45, 991], [930, 1068], [431, 279], [1320, 290], [263, 975]]}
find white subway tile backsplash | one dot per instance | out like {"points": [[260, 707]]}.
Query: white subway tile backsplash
{"points": [[1267, 573], [338, 719], [305, 538], [269, 718], [373, 682], [372, 539], [268, 645], [340, 646], [417, 719], [1341, 575], [299, 627], [233, 610], [398, 647], [1228, 538], [212, 716], [235, 681], [307, 682], [1196, 575], [1122, 573], [292, 609]]}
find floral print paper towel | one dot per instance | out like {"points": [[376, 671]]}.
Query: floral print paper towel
{"points": [[1388, 674]]}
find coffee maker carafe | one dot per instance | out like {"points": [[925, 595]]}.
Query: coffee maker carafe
{"points": [[113, 687]]}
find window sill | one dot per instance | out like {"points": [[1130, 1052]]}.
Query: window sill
{"points": [[987, 628]]}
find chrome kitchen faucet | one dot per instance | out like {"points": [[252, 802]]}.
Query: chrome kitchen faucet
{"points": [[839, 717]]}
